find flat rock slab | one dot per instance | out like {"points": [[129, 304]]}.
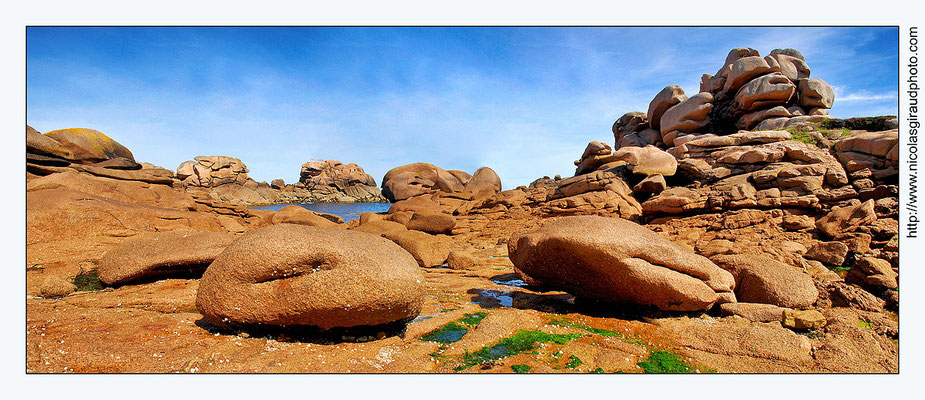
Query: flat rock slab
{"points": [[161, 254]]}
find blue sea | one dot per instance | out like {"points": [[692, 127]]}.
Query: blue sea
{"points": [[347, 211]]}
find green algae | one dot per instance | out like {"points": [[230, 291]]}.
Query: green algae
{"points": [[573, 362], [522, 341], [520, 368], [663, 362], [455, 330], [88, 281], [598, 370], [563, 322], [473, 319]]}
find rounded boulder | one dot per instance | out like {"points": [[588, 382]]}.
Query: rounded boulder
{"points": [[293, 275], [617, 261], [89, 146], [761, 279]]}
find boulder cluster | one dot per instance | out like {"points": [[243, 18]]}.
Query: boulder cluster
{"points": [[750, 141], [427, 187], [212, 171], [748, 92], [321, 181], [335, 181]]}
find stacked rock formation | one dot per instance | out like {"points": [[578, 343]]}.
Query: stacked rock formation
{"points": [[90, 151], [714, 155], [752, 169], [605, 182], [870, 158], [407, 181], [212, 171], [749, 92], [333, 180], [426, 186]]}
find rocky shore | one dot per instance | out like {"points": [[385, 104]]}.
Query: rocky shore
{"points": [[740, 229]]}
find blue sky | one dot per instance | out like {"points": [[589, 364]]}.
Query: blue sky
{"points": [[524, 101]]}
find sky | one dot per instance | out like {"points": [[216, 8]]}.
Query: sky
{"points": [[523, 101]]}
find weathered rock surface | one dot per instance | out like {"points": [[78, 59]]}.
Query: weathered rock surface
{"points": [[428, 250], [88, 146], [669, 97], [760, 279], [816, 93], [803, 319], [765, 91], [332, 278], [162, 254], [757, 312], [613, 260], [832, 253], [874, 272], [686, 117], [631, 123], [37, 143], [213, 171], [431, 222], [298, 215], [847, 219]]}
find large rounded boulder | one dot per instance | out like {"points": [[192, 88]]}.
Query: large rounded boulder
{"points": [[483, 180], [617, 261], [411, 180], [161, 255], [293, 275], [89, 146]]}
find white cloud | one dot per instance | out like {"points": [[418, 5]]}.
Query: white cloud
{"points": [[866, 96]]}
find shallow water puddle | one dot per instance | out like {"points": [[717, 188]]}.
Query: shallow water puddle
{"points": [[492, 298], [510, 282], [420, 318]]}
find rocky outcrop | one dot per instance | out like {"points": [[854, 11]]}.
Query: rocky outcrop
{"points": [[747, 92], [871, 159], [90, 151], [616, 261], [334, 181], [88, 146], [417, 179], [752, 169], [334, 278], [212, 171]]}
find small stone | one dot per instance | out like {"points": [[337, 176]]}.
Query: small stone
{"points": [[832, 253], [802, 319], [55, 286], [460, 260]]}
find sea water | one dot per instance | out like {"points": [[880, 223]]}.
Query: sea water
{"points": [[347, 211]]}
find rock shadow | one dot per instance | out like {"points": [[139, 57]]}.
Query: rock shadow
{"points": [[310, 334], [558, 302]]}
